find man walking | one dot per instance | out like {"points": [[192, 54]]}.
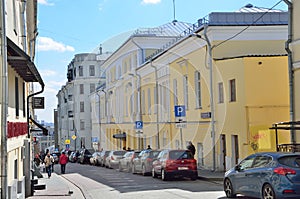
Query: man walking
{"points": [[63, 160], [48, 164]]}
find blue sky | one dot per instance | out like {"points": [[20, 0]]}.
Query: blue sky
{"points": [[69, 27]]}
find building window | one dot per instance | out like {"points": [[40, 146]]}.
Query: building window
{"points": [[155, 100], [198, 89], [92, 70], [232, 90], [24, 100], [81, 106], [149, 100], [17, 96], [80, 71], [92, 88], [186, 91], [221, 92], [81, 124], [175, 91], [81, 89], [143, 102]]}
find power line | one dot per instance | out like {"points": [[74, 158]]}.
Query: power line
{"points": [[230, 38]]}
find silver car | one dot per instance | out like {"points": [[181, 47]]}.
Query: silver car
{"points": [[112, 160]]}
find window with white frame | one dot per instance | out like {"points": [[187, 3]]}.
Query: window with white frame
{"points": [[92, 88], [143, 102], [80, 71], [175, 91], [81, 106], [198, 89], [221, 92], [92, 70], [81, 89], [149, 100], [232, 90], [82, 125], [186, 91]]}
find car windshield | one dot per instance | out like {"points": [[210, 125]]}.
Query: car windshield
{"points": [[177, 155], [291, 161]]}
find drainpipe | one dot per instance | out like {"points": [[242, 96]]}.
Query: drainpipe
{"points": [[291, 72], [4, 103], [156, 101], [212, 106]]}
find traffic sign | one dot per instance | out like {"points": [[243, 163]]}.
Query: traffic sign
{"points": [[74, 137], [67, 141], [139, 125], [180, 111]]}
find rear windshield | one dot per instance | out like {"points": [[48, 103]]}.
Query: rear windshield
{"points": [[107, 152], [119, 152], [177, 155], [291, 161], [154, 154]]}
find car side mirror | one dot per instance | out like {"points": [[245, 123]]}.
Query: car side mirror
{"points": [[238, 167]]}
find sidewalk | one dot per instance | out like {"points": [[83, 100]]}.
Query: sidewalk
{"points": [[60, 186], [57, 187]]}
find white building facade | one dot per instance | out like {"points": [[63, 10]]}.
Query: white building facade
{"points": [[74, 109]]}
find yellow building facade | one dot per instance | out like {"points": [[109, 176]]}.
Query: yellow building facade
{"points": [[248, 92]]}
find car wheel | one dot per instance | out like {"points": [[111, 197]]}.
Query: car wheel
{"points": [[194, 177], [164, 175], [268, 192], [228, 189], [144, 173], [154, 175]]}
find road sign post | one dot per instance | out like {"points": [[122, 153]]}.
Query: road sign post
{"points": [[180, 117]]}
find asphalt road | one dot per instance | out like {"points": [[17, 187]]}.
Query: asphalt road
{"points": [[125, 182]]}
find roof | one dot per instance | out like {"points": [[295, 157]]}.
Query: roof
{"points": [[250, 8], [169, 29]]}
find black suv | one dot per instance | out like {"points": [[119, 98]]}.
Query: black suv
{"points": [[84, 156]]}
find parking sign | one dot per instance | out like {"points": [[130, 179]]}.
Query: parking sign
{"points": [[180, 111], [139, 125]]}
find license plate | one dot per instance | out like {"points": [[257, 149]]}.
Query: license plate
{"points": [[183, 168]]}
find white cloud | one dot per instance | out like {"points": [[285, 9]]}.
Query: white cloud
{"points": [[45, 2], [48, 44], [47, 73], [151, 1]]}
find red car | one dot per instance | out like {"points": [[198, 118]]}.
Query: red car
{"points": [[175, 163]]}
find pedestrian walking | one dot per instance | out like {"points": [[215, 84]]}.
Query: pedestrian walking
{"points": [[192, 148], [63, 160], [48, 164]]}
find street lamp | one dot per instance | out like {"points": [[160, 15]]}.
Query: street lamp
{"points": [[212, 107]]}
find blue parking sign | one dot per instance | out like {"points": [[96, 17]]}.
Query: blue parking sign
{"points": [[139, 124], [180, 111]]}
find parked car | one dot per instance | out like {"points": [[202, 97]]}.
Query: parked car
{"points": [[95, 159], [112, 160], [126, 162], [73, 157], [175, 163], [103, 156], [265, 175], [55, 157], [84, 156], [143, 162]]}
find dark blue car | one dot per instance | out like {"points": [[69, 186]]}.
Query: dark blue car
{"points": [[267, 175]]}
